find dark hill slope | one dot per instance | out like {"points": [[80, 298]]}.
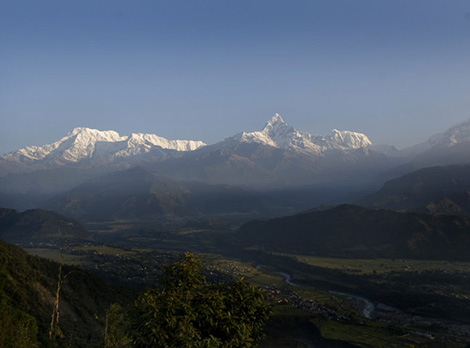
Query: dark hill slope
{"points": [[352, 231], [28, 287], [139, 193], [38, 226], [123, 195], [262, 166], [443, 190]]}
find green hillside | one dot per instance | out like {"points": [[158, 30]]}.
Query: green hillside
{"points": [[28, 287]]}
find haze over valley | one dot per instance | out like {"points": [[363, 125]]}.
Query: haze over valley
{"points": [[235, 174], [279, 199]]}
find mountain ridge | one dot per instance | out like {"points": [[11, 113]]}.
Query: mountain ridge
{"points": [[264, 158], [452, 136], [278, 155], [437, 190], [139, 193], [352, 231], [279, 134], [84, 143], [39, 225]]}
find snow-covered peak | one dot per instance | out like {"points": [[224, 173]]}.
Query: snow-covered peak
{"points": [[349, 139], [155, 140], [459, 133], [88, 133], [86, 143], [275, 133], [276, 128], [278, 133], [275, 122]]}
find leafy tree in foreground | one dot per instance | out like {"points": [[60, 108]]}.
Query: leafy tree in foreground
{"points": [[188, 312]]}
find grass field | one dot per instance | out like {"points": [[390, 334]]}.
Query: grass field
{"points": [[57, 255], [106, 250], [369, 266], [238, 268]]}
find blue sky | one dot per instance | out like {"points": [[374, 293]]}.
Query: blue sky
{"points": [[396, 70]]}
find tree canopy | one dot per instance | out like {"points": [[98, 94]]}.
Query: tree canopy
{"points": [[186, 311]]}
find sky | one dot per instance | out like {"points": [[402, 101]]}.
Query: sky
{"points": [[396, 70]]}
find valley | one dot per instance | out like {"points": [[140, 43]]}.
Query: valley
{"points": [[414, 302], [352, 248], [234, 174]]}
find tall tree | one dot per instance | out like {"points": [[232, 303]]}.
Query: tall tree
{"points": [[185, 311]]}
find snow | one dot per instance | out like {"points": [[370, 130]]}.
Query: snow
{"points": [[85, 143], [82, 143], [457, 134], [349, 139], [278, 133]]}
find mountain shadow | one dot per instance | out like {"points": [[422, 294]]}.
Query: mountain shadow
{"points": [[438, 190], [139, 193], [352, 231], [39, 225]]}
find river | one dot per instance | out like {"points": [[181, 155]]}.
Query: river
{"points": [[288, 279], [366, 311], [369, 306]]}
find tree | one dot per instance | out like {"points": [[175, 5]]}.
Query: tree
{"points": [[116, 328], [185, 311], [17, 328]]}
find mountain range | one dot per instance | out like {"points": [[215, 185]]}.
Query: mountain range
{"points": [[83, 144], [87, 146], [103, 147], [278, 157], [279, 134]]}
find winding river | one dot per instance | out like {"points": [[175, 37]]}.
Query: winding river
{"points": [[366, 311], [288, 278], [369, 306]]}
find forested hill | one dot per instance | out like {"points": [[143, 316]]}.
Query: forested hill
{"points": [[437, 190], [28, 286], [352, 231], [38, 225]]}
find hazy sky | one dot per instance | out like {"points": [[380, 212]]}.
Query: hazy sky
{"points": [[397, 70]]}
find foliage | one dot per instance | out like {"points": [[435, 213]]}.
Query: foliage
{"points": [[188, 312], [28, 290], [17, 328], [115, 331]]}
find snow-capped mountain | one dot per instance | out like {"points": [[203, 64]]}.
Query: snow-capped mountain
{"points": [[108, 146], [276, 156], [85, 143], [279, 134], [457, 134], [276, 152]]}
